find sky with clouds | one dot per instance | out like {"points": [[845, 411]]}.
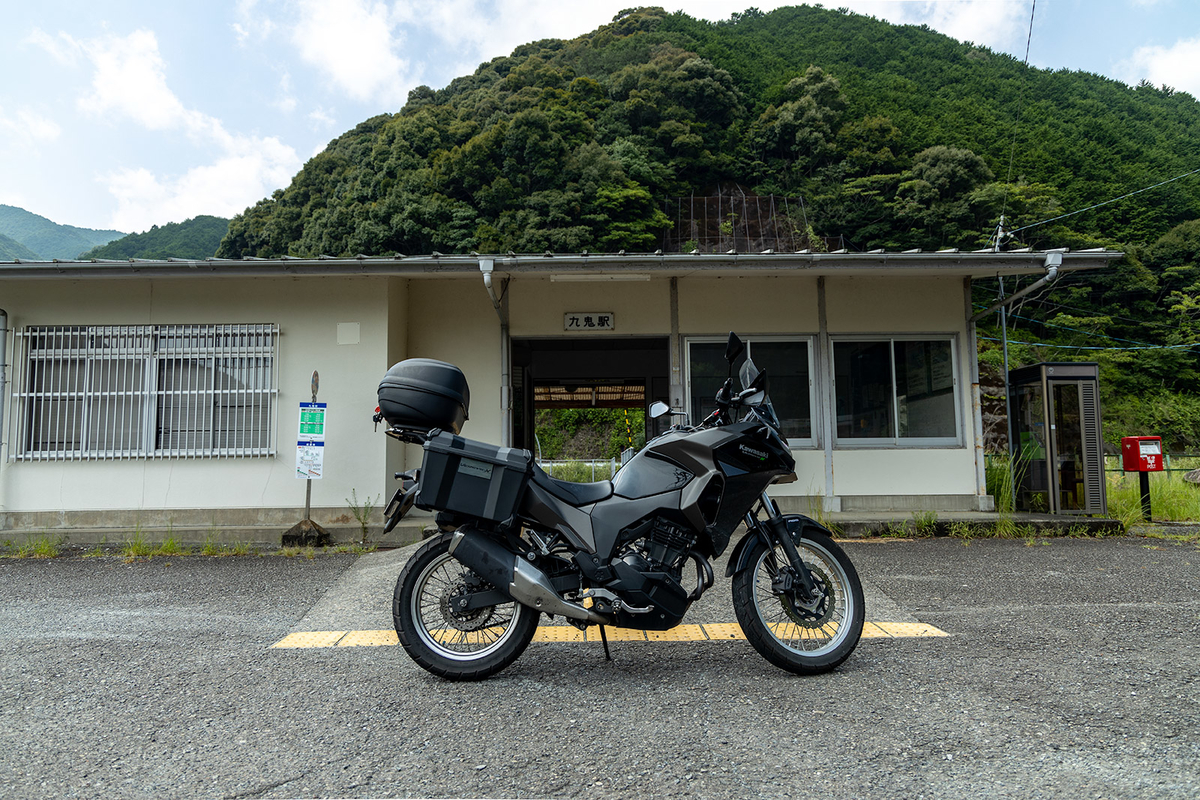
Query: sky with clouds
{"points": [[124, 114]]}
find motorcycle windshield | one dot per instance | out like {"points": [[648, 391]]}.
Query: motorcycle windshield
{"points": [[759, 404]]}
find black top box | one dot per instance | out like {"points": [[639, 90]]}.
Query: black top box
{"points": [[420, 394]]}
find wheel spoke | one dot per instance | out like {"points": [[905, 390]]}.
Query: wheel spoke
{"points": [[457, 636], [799, 629]]}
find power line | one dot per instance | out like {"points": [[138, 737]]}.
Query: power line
{"points": [[1045, 303], [1087, 347], [1098, 205], [1016, 124], [1089, 333]]}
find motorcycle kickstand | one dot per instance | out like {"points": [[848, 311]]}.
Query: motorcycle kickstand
{"points": [[604, 639]]}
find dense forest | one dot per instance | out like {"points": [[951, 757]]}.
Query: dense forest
{"points": [[883, 136], [196, 238], [11, 250], [48, 240]]}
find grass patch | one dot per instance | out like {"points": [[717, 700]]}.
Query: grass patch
{"points": [[1188, 537], [354, 547], [171, 547], [925, 523], [308, 552], [1172, 499], [35, 546], [136, 546]]}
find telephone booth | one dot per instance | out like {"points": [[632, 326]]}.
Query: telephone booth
{"points": [[1057, 444]]}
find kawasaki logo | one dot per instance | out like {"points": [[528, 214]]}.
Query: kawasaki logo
{"points": [[750, 451]]}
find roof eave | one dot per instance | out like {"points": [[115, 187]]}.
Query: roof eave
{"points": [[948, 262]]}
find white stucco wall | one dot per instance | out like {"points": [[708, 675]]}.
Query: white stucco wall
{"points": [[857, 305], [748, 306], [307, 311], [453, 320], [537, 305]]}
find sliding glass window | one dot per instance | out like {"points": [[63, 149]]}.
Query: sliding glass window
{"points": [[896, 391], [788, 364]]}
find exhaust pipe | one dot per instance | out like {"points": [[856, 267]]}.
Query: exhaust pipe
{"points": [[515, 576]]}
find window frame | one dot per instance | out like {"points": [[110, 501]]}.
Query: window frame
{"points": [[129, 361], [809, 340], [897, 442]]}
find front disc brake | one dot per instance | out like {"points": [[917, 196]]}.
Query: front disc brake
{"points": [[814, 613]]}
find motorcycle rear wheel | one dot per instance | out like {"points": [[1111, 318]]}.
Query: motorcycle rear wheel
{"points": [[805, 640], [458, 647]]}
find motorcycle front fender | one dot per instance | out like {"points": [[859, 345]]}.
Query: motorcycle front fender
{"points": [[797, 525]]}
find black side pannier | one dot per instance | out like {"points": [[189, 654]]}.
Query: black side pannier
{"points": [[420, 394], [472, 478]]}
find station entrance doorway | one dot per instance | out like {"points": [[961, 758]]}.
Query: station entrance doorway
{"points": [[605, 372]]}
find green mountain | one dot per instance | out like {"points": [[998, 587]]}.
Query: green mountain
{"points": [[194, 238], [869, 134], [11, 250], [49, 239], [892, 136]]}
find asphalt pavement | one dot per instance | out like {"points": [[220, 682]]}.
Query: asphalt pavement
{"points": [[1069, 670]]}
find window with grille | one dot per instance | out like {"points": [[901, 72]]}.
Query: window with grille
{"points": [[145, 391]]}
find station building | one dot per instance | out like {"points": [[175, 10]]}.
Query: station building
{"points": [[167, 394]]}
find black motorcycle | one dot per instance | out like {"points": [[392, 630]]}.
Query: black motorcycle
{"points": [[514, 543]]}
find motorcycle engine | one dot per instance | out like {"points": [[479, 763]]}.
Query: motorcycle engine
{"points": [[663, 547]]}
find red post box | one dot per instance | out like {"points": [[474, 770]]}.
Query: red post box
{"points": [[1141, 454]]}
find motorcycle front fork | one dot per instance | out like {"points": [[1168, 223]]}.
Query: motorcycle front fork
{"points": [[776, 529]]}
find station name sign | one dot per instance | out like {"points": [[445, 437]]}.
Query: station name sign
{"points": [[589, 321]]}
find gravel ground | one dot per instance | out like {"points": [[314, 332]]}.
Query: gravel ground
{"points": [[1071, 670]]}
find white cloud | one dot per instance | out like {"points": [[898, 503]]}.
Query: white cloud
{"points": [[130, 79], [287, 100], [228, 171], [1177, 66], [61, 48], [250, 169], [321, 118], [251, 23], [993, 23], [27, 129], [354, 43]]}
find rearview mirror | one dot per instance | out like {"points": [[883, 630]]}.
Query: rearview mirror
{"points": [[659, 409], [734, 348]]}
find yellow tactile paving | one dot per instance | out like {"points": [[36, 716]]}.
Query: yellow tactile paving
{"points": [[310, 639], [724, 630], [558, 633], [720, 631], [616, 634], [873, 631], [680, 633], [369, 639], [910, 629]]}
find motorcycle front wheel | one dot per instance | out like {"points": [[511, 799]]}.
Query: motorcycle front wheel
{"points": [[807, 636], [456, 646]]}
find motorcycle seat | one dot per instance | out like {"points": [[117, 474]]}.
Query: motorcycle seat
{"points": [[575, 494]]}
